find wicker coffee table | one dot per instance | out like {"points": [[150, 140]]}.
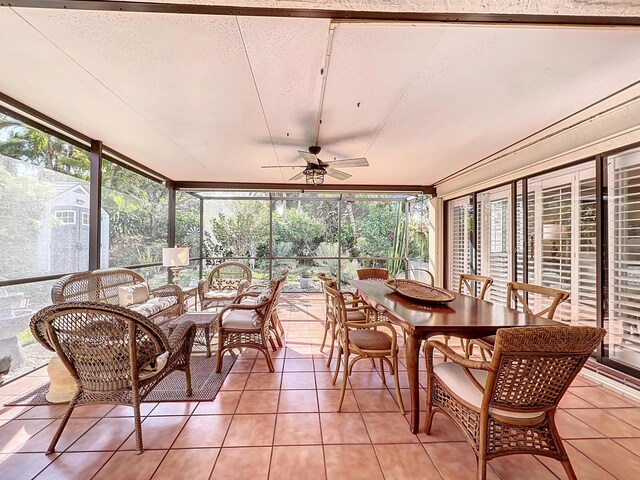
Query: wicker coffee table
{"points": [[206, 326]]}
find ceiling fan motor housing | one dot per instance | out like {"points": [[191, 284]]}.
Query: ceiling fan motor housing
{"points": [[314, 149]]}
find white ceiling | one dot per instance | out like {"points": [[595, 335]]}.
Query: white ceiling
{"points": [[202, 97]]}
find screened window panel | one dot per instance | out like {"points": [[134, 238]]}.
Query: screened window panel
{"points": [[460, 215], [494, 240], [624, 257]]}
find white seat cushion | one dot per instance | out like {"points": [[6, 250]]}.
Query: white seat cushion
{"points": [[239, 320], [153, 305], [221, 295], [454, 377], [149, 371]]}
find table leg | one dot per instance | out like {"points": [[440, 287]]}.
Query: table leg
{"points": [[207, 341], [412, 356]]}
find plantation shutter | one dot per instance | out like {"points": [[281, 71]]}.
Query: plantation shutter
{"points": [[460, 218], [494, 245], [624, 257]]}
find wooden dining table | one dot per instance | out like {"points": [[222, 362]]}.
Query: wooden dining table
{"points": [[465, 317]]}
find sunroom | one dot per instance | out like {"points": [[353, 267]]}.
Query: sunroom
{"points": [[210, 214]]}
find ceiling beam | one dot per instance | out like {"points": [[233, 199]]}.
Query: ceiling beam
{"points": [[293, 187], [418, 17]]}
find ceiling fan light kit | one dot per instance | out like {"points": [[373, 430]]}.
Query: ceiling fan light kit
{"points": [[314, 176], [316, 169]]}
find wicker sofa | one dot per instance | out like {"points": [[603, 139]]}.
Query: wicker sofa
{"points": [[101, 286]]}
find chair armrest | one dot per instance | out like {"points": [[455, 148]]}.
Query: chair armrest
{"points": [[256, 287], [166, 291], [239, 298], [181, 333], [355, 302], [455, 356], [243, 285], [237, 306]]}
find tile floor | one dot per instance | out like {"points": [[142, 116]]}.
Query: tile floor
{"points": [[283, 425]]}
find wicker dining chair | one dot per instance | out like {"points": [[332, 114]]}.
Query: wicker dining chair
{"points": [[364, 340], [476, 286], [357, 311], [381, 274], [523, 293], [247, 325], [113, 354], [225, 282], [507, 406]]}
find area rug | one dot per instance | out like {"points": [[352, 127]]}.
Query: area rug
{"points": [[204, 380]]}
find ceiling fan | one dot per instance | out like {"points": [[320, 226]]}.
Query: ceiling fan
{"points": [[316, 169]]}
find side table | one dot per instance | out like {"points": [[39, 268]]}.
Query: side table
{"points": [[189, 292], [206, 326]]}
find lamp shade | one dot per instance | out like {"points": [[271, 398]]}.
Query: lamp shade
{"points": [[175, 257]]}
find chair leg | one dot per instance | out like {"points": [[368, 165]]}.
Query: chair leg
{"points": [[272, 342], [137, 423], [220, 352], [207, 341], [482, 469], [345, 377], [63, 423], [568, 468], [396, 380], [335, 375], [384, 378], [326, 330], [333, 343], [187, 372], [265, 351]]}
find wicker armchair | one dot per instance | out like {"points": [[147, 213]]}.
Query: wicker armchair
{"points": [[101, 286], [355, 312], [109, 351], [247, 324], [363, 340], [521, 292], [373, 274], [225, 282], [507, 406], [276, 328], [475, 286]]}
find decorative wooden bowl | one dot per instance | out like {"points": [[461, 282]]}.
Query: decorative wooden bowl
{"points": [[420, 292]]}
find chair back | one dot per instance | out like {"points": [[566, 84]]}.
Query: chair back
{"points": [[373, 274], [276, 287], [103, 346], [474, 285], [95, 286], [534, 366], [519, 291], [328, 300], [337, 310], [229, 273]]}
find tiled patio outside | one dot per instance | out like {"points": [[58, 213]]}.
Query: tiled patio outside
{"points": [[283, 425]]}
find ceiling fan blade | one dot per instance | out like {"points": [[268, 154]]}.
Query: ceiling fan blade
{"points": [[350, 162], [283, 166], [332, 172], [297, 177], [309, 157]]}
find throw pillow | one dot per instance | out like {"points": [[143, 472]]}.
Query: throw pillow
{"points": [[132, 294]]}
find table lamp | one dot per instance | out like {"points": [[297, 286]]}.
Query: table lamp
{"points": [[175, 258]]}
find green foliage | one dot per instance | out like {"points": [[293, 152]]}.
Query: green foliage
{"points": [[241, 233], [23, 142], [303, 230]]}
